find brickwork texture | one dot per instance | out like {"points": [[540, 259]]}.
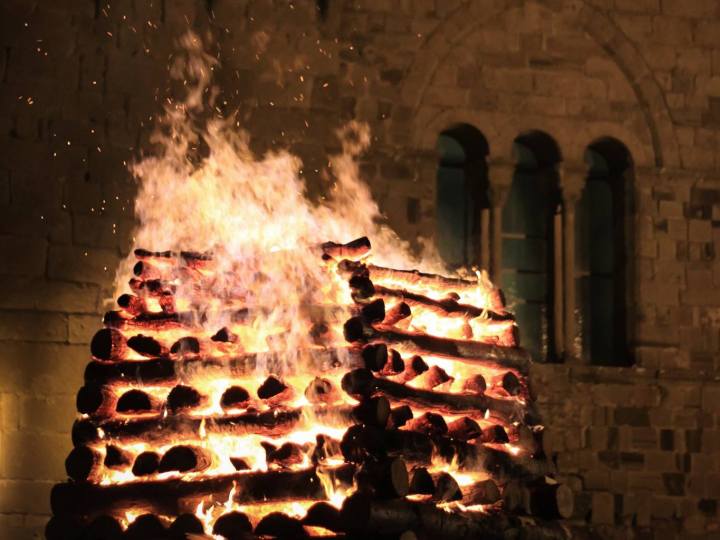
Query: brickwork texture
{"points": [[80, 83]]}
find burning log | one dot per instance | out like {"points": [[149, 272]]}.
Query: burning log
{"points": [[374, 312], [184, 525], [355, 249], [183, 397], [185, 345], [361, 382], [286, 455], [321, 390], [165, 371], [447, 307], [322, 514], [429, 423], [394, 364], [494, 434], [374, 411], [103, 528], [365, 516], [160, 430], [414, 367], [540, 499], [83, 464], [146, 526], [471, 352], [434, 376], [232, 525], [483, 492], [134, 305], [170, 496], [399, 416], [96, 400], [464, 429], [184, 458], [274, 391], [508, 383], [117, 458], [446, 488], [235, 397], [361, 443], [136, 401], [475, 384], [146, 463], [387, 478], [279, 525], [396, 314], [107, 344], [421, 482], [189, 258], [410, 278]]}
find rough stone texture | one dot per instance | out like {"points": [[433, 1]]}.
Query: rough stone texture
{"points": [[78, 83]]}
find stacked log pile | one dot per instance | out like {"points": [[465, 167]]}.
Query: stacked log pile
{"points": [[407, 416]]}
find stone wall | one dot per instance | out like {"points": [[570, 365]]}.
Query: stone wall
{"points": [[80, 81]]}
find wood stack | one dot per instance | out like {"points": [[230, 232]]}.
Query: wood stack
{"points": [[407, 417]]}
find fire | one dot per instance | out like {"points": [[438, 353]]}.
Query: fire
{"points": [[256, 372]]}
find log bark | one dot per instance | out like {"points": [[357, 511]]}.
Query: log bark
{"points": [[173, 497], [464, 429], [133, 305], [470, 352], [361, 382], [362, 443]]}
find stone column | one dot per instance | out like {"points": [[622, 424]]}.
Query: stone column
{"points": [[572, 182], [500, 175]]}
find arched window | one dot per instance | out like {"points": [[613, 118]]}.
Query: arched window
{"points": [[601, 254], [532, 246], [462, 197]]}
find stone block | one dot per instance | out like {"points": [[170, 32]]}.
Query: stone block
{"points": [[35, 456], [632, 416], [81, 328], [24, 497], [603, 508], [52, 414], [82, 265], [22, 256], [33, 326], [47, 368], [20, 293]]}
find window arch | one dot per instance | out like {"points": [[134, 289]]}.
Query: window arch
{"points": [[532, 245], [462, 197], [601, 254]]}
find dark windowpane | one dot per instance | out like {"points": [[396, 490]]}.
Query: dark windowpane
{"points": [[526, 256], [452, 215]]}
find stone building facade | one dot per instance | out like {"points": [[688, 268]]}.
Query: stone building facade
{"points": [[80, 81]]}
